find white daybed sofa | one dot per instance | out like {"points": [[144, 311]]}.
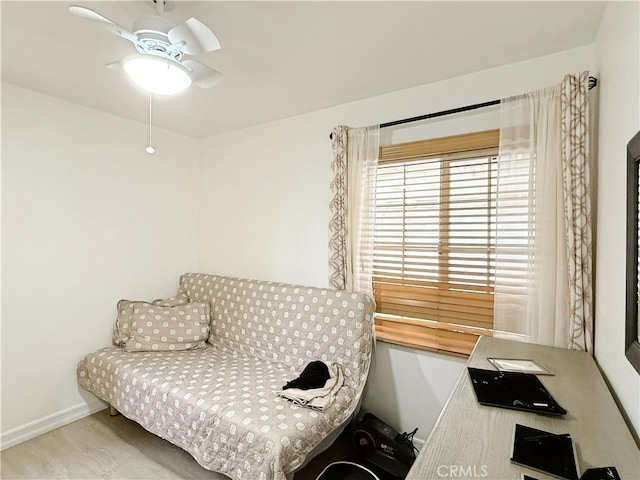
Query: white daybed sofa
{"points": [[217, 400]]}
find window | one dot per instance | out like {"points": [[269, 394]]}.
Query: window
{"points": [[434, 247]]}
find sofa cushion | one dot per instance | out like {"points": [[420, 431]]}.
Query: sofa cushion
{"points": [[125, 310], [157, 327]]}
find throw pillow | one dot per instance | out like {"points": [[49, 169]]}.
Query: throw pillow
{"points": [[162, 328], [125, 310]]}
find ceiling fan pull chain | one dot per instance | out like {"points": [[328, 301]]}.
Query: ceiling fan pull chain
{"points": [[150, 148]]}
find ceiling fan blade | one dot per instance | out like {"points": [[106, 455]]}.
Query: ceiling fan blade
{"points": [[202, 75], [92, 16], [198, 38]]}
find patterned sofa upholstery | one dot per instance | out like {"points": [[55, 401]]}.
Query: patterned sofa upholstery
{"points": [[219, 403]]}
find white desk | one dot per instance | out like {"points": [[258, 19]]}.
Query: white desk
{"points": [[471, 440]]}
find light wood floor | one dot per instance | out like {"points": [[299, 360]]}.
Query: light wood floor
{"points": [[105, 447]]}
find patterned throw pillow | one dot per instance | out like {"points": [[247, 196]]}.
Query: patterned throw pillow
{"points": [[125, 310], [162, 328]]}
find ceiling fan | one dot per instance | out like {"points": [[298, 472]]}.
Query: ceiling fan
{"points": [[159, 65]]}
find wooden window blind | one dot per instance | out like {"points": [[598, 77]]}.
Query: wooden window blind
{"points": [[434, 246]]}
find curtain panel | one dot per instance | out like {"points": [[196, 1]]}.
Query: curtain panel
{"points": [[338, 210], [351, 226], [544, 180], [577, 204]]}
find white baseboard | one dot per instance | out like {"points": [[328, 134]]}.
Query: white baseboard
{"points": [[48, 423]]}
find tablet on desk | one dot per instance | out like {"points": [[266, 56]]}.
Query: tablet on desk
{"points": [[544, 451], [516, 391]]}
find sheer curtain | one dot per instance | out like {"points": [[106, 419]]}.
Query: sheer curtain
{"points": [[355, 160], [544, 218]]}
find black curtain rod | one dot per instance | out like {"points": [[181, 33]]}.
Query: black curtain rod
{"points": [[440, 114], [593, 81]]}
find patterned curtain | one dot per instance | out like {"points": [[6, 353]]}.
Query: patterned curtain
{"points": [[543, 175], [354, 167], [338, 211], [577, 206]]}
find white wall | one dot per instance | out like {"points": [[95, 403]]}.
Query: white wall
{"points": [[264, 200], [618, 57], [87, 218]]}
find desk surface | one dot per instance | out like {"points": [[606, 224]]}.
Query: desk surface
{"points": [[471, 440]]}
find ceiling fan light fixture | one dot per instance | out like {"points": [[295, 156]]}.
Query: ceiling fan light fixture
{"points": [[158, 75]]}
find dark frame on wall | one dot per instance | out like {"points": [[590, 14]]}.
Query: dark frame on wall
{"points": [[632, 345]]}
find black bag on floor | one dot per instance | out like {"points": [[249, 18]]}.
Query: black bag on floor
{"points": [[383, 447]]}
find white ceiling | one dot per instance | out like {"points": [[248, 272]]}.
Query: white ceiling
{"points": [[281, 59]]}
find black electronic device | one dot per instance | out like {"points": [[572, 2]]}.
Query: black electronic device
{"points": [[544, 451], [383, 447], [517, 391]]}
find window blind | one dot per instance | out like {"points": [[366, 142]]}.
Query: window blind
{"points": [[435, 237]]}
